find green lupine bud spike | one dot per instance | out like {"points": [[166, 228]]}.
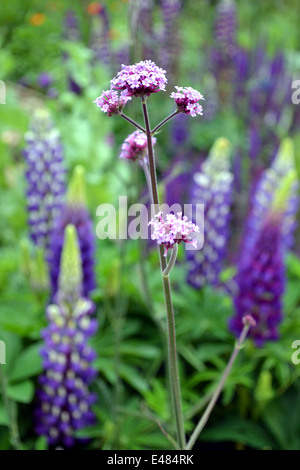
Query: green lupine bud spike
{"points": [[285, 154], [283, 193], [70, 277], [77, 192], [218, 159], [39, 277]]}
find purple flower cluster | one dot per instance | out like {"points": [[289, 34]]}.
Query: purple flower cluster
{"points": [[212, 187], [261, 275], [111, 103], [100, 37], [134, 146], [225, 33], [140, 79], [170, 37], [187, 99], [64, 400], [261, 283], [263, 198], [45, 174], [175, 229], [74, 212]]}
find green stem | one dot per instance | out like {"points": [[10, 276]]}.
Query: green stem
{"points": [[172, 261], [162, 123], [172, 352], [218, 390], [132, 122], [11, 415]]}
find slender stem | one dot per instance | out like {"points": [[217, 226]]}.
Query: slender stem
{"points": [[132, 122], [162, 123], [172, 261], [11, 414], [218, 390], [147, 176], [172, 352]]}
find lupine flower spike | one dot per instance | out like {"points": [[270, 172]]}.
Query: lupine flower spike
{"points": [[64, 400], [212, 187], [270, 180], [261, 278], [75, 212], [45, 174], [174, 229]]}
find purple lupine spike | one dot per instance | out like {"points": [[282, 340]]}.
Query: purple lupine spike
{"points": [[212, 187], [145, 24], [261, 283], [170, 37], [63, 398], [225, 34], [263, 197], [76, 213], [45, 174], [71, 26], [99, 40]]}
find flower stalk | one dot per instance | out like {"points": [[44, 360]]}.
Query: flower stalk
{"points": [[248, 322], [172, 351]]}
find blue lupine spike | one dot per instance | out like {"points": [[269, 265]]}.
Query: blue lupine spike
{"points": [[261, 276], [100, 43], [45, 174], [225, 35], [264, 194], [261, 284], [74, 212], [171, 41], [64, 399], [212, 187]]}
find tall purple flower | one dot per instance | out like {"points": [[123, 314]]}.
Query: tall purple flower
{"points": [[64, 399], [76, 213], [170, 37], [263, 198], [261, 283], [212, 187], [100, 37], [225, 35], [261, 275], [45, 174]]}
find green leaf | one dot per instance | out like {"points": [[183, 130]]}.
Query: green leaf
{"points": [[22, 392], [41, 443], [27, 365], [238, 430], [3, 416]]}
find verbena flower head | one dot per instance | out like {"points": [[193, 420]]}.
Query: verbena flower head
{"points": [[111, 103], [212, 187], [135, 145], [140, 79], [175, 229], [64, 400], [187, 99], [45, 174]]}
